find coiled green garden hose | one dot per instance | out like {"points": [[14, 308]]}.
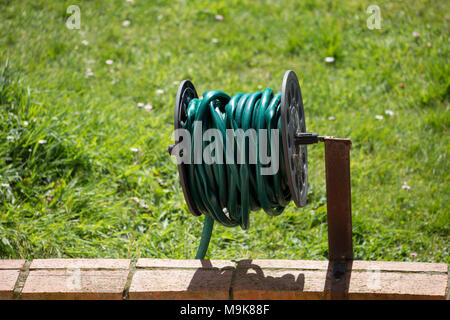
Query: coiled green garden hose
{"points": [[227, 191], [236, 187]]}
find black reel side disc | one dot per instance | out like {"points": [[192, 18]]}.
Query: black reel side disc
{"points": [[186, 92], [292, 123]]}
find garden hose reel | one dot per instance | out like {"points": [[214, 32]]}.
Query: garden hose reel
{"points": [[294, 148]]}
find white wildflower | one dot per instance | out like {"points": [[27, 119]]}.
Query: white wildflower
{"points": [[109, 61], [214, 40], [160, 91], [10, 138], [379, 117], [140, 104], [89, 72], [389, 112], [126, 23], [331, 118], [85, 42], [219, 17], [25, 123], [405, 186], [415, 34], [134, 149], [140, 202], [42, 141], [329, 59], [148, 107]]}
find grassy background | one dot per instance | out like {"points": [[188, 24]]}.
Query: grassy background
{"points": [[84, 191]]}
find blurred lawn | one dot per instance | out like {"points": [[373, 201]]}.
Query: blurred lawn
{"points": [[84, 170]]}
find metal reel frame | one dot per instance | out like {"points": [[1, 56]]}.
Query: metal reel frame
{"points": [[292, 123]]}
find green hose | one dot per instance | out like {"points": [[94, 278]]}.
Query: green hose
{"points": [[227, 192]]}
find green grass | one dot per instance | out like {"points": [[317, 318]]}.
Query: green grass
{"points": [[85, 193]]}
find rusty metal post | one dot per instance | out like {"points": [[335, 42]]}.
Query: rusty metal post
{"points": [[339, 215], [339, 204]]}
